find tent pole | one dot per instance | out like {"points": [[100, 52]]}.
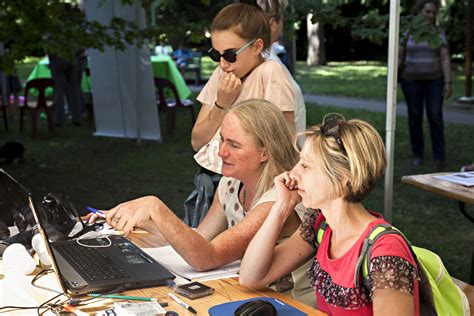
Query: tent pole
{"points": [[137, 80], [391, 116]]}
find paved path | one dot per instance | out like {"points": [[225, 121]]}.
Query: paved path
{"points": [[453, 114], [462, 114]]}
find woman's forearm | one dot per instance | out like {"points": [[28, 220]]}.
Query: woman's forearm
{"points": [[194, 248], [259, 255], [206, 126]]}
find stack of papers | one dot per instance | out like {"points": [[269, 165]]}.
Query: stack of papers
{"points": [[463, 178], [171, 260]]}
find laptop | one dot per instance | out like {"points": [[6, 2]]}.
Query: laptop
{"points": [[97, 265]]}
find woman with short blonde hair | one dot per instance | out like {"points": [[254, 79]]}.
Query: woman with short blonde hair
{"points": [[361, 159], [339, 165]]}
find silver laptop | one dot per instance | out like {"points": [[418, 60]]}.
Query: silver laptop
{"points": [[98, 265]]}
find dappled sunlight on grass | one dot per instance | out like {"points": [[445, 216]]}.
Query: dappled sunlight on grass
{"points": [[360, 79]]}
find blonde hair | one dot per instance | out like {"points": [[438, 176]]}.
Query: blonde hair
{"points": [[359, 157], [247, 21], [269, 131]]}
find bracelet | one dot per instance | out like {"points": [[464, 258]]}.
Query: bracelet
{"points": [[219, 107]]}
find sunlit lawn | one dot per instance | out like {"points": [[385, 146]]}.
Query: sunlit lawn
{"points": [[361, 79]]}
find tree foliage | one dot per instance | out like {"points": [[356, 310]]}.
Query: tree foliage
{"points": [[53, 26], [35, 27], [370, 19]]}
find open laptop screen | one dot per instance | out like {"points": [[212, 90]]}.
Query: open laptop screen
{"points": [[56, 214], [14, 204]]}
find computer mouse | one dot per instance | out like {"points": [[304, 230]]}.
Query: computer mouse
{"points": [[256, 308]]}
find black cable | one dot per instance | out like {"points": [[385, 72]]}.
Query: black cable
{"points": [[55, 307], [13, 308], [43, 304], [38, 276]]}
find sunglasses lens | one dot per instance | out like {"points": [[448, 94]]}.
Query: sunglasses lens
{"points": [[214, 55], [332, 127], [230, 57]]}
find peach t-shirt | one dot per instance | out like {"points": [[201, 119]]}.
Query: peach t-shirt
{"points": [[269, 81]]}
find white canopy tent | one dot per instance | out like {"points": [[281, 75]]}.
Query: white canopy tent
{"points": [[391, 116]]}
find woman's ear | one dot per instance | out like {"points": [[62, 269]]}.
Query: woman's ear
{"points": [[258, 46], [263, 156], [346, 185]]}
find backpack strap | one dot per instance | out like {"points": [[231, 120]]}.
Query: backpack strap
{"points": [[320, 229], [363, 262]]}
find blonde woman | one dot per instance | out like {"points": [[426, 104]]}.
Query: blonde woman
{"points": [[255, 146], [339, 165]]}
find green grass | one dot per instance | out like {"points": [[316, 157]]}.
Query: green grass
{"points": [[362, 79], [102, 172]]}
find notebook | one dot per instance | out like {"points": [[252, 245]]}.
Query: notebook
{"points": [[98, 265]]}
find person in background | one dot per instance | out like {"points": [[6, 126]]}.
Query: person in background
{"points": [[163, 49], [67, 76], [468, 168], [426, 80], [274, 10], [13, 89], [182, 56], [13, 86], [256, 145], [279, 49], [339, 165]]}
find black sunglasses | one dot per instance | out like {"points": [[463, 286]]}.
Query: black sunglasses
{"points": [[229, 56], [330, 128]]}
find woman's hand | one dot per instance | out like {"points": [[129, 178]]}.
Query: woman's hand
{"points": [[286, 187], [136, 213], [92, 217], [448, 90], [228, 90]]}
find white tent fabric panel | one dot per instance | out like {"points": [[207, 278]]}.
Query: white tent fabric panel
{"points": [[122, 81]]}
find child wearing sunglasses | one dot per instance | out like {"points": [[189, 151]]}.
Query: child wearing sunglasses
{"points": [[240, 33]]}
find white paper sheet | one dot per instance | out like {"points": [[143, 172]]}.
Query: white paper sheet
{"points": [[463, 178], [170, 259]]}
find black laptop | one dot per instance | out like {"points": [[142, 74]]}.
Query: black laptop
{"points": [[98, 265]]}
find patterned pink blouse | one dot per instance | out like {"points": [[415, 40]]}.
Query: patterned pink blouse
{"points": [[391, 267]]}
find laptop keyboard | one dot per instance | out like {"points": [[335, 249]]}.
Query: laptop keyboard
{"points": [[91, 263]]}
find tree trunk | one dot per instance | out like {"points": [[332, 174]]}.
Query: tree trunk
{"points": [[322, 45], [313, 42], [468, 59], [316, 46]]}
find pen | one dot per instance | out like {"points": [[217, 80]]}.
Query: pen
{"points": [[183, 304], [124, 297], [95, 211]]}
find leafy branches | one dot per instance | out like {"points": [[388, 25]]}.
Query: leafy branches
{"points": [[34, 28]]}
